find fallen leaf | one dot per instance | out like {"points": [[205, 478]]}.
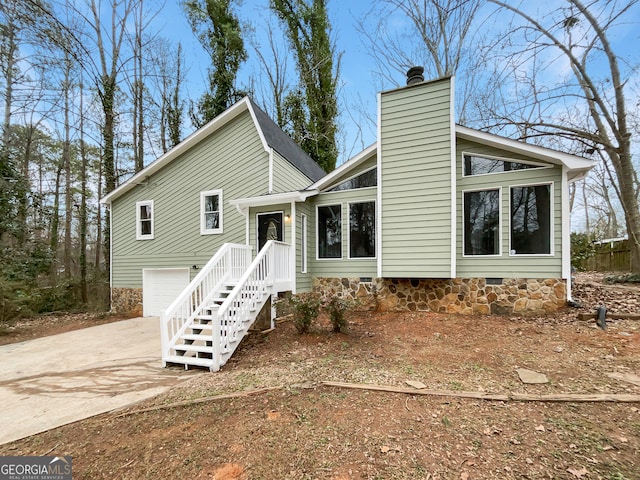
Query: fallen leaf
{"points": [[464, 476], [578, 473], [540, 428], [385, 449]]}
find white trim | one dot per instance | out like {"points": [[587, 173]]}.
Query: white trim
{"points": [[551, 221], [304, 242], [271, 170], [500, 214], [375, 239], [379, 199], [572, 162], [273, 199], [500, 159], [566, 230], [354, 190], [139, 234], [294, 244], [452, 142], [203, 222], [110, 254], [323, 259], [284, 230]]}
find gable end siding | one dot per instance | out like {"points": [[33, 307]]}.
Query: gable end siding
{"points": [[231, 159], [416, 175], [286, 177], [504, 265]]}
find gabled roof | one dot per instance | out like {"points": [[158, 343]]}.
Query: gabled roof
{"points": [[577, 167], [271, 136], [285, 146]]}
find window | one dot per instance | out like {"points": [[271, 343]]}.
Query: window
{"points": [[362, 230], [211, 212], [531, 220], [303, 243], [364, 180], [481, 213], [329, 231], [481, 166], [144, 220]]}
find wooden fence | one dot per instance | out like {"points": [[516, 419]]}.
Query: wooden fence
{"points": [[611, 257]]}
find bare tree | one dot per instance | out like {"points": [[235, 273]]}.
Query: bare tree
{"points": [[587, 105]]}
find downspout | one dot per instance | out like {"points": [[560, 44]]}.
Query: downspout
{"points": [[111, 255], [566, 232], [271, 170], [379, 233]]}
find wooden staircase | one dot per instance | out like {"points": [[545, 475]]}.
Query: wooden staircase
{"points": [[205, 324]]}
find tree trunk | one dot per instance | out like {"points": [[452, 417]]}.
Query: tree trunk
{"points": [[83, 208]]}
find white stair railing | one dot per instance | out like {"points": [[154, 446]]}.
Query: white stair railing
{"points": [[268, 273], [226, 266]]}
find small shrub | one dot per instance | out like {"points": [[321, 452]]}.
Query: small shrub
{"points": [[305, 310], [14, 301], [336, 308]]}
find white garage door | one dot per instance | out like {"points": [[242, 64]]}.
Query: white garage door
{"points": [[160, 287]]}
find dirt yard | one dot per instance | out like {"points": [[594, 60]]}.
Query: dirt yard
{"points": [[301, 429]]}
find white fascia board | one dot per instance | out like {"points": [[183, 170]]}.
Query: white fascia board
{"points": [[572, 162], [193, 139], [345, 168], [276, 198]]}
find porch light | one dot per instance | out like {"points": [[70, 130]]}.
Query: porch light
{"points": [[287, 218]]}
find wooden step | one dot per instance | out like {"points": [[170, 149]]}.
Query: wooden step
{"points": [[194, 348], [200, 362], [194, 337]]}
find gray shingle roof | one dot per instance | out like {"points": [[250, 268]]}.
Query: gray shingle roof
{"points": [[285, 146]]}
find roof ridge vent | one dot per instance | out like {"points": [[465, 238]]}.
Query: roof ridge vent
{"points": [[415, 75]]}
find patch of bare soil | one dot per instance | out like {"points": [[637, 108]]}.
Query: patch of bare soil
{"points": [[306, 430]]}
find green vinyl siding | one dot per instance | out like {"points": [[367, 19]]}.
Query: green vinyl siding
{"points": [[340, 267], [231, 159], [416, 170], [304, 280], [505, 265], [286, 177]]}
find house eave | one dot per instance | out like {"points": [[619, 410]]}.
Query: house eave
{"points": [[574, 164], [273, 199]]}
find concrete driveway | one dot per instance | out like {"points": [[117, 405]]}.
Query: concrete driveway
{"points": [[52, 381]]}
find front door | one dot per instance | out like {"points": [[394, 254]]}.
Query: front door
{"points": [[270, 227]]}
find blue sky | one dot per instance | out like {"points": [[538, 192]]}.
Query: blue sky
{"points": [[357, 83]]}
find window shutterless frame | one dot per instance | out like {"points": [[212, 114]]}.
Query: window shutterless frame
{"points": [[329, 232], [211, 212], [359, 239], [465, 233], [144, 220], [513, 247]]}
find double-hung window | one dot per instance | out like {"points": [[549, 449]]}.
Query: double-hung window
{"points": [[211, 212], [531, 220], [329, 231], [481, 222], [144, 220]]}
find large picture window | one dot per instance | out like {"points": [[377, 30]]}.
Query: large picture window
{"points": [[211, 212], [531, 220], [362, 230], [144, 220], [482, 222], [329, 231]]}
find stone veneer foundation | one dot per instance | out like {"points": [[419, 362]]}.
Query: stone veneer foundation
{"points": [[126, 300], [466, 296]]}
